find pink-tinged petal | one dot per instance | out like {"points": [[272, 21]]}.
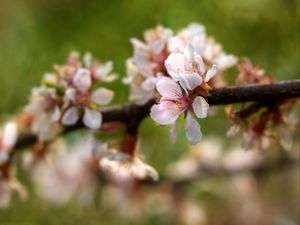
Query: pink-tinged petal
{"points": [[200, 107], [82, 80], [192, 129], [188, 57], [174, 133], [200, 64], [175, 65], [157, 46], [167, 87], [150, 83], [103, 70], [92, 119], [190, 81], [224, 61], [164, 113], [71, 116], [142, 61], [102, 96], [139, 45], [211, 73], [10, 134]]}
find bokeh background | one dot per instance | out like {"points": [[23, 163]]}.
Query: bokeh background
{"points": [[35, 34]]}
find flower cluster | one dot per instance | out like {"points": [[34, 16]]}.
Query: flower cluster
{"points": [[264, 123], [250, 74], [179, 93], [148, 62], [72, 91], [178, 71]]}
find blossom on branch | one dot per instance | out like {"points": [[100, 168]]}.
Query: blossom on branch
{"points": [[263, 123], [207, 47], [188, 69], [173, 103], [81, 96], [147, 64], [68, 93], [8, 138], [149, 61], [121, 164]]}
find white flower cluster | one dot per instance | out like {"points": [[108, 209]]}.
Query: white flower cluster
{"points": [[173, 68], [72, 91], [148, 61]]}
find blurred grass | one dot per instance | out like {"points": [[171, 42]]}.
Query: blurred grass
{"points": [[35, 34]]}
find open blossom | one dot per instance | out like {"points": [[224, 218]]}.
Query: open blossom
{"points": [[66, 92], [8, 138], [149, 61], [99, 71], [173, 103], [44, 107], [147, 64], [140, 89], [189, 69], [44, 100], [81, 96], [149, 57], [212, 52], [121, 165]]}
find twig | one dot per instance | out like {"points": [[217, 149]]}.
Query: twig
{"points": [[133, 114]]}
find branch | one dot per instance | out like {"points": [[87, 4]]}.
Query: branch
{"points": [[133, 114], [265, 166]]}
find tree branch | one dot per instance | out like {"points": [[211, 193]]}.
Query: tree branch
{"points": [[133, 114]]}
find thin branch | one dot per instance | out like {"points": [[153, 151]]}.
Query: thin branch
{"points": [[133, 114]]}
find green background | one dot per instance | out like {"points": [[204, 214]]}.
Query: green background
{"points": [[35, 34]]}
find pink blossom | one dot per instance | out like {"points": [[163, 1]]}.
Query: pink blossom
{"points": [[80, 96], [189, 69], [173, 103]]}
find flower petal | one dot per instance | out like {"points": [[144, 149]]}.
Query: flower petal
{"points": [[157, 46], [71, 116], [188, 57], [200, 64], [211, 73], [82, 79], [92, 119], [103, 72], [102, 96], [10, 134], [175, 64], [164, 113], [200, 107], [190, 81], [169, 88], [192, 129]]}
